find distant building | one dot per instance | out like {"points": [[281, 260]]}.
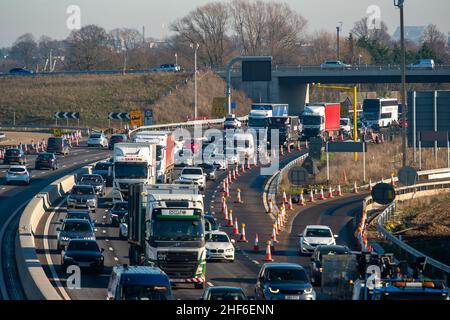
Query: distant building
{"points": [[412, 33]]}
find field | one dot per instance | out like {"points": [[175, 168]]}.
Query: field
{"points": [[381, 161], [35, 99]]}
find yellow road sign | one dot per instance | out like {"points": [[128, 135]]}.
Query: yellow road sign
{"points": [[57, 132], [136, 118], [219, 107]]}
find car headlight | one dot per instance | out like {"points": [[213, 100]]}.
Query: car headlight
{"points": [[305, 242], [230, 250], [308, 290], [274, 290]]}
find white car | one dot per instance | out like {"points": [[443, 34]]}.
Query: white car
{"points": [[231, 122], [314, 236], [194, 175], [220, 247], [97, 140], [18, 174], [346, 125], [335, 65]]}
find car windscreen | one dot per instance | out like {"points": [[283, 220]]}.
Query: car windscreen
{"points": [[318, 233], [117, 138], [331, 252], [146, 292], [120, 206], [219, 238], [45, 156], [226, 295], [192, 171], [17, 170], [88, 180], [54, 141], [95, 136], [12, 152], [83, 246], [82, 191], [286, 275], [102, 166], [78, 215], [312, 120], [72, 226]]}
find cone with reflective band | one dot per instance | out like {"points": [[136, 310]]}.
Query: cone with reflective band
{"points": [[311, 196], [236, 227], [234, 175], [270, 204], [321, 195], [281, 151], [224, 185], [243, 236], [306, 144], [339, 191], [227, 192], [299, 148], [242, 168], [236, 170], [302, 200], [355, 188], [224, 209], [369, 188], [290, 205], [268, 256], [238, 196], [285, 200], [230, 218], [229, 178], [274, 233], [248, 164], [392, 180], [256, 244], [289, 148], [330, 192]]}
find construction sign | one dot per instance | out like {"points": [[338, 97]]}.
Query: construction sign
{"points": [[136, 118], [219, 107], [57, 132]]}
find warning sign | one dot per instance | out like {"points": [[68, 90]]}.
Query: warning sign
{"points": [[57, 132], [136, 118], [219, 108]]}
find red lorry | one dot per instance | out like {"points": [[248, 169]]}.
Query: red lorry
{"points": [[321, 119]]}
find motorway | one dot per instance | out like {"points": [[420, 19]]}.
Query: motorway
{"points": [[337, 213], [13, 199]]}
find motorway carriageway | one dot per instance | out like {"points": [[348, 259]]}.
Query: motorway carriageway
{"points": [[338, 213], [13, 199]]}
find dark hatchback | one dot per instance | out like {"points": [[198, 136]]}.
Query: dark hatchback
{"points": [[102, 168], [117, 138], [83, 253], [117, 212], [46, 160], [58, 145], [14, 156]]}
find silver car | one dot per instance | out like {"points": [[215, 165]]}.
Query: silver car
{"points": [[82, 197], [74, 229], [335, 65]]}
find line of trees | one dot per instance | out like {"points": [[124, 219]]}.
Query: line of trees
{"points": [[223, 30]]}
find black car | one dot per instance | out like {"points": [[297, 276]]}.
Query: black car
{"points": [[20, 71], [117, 138], [283, 281], [102, 168], [46, 160], [117, 212], [316, 260], [209, 170], [14, 155], [83, 253], [80, 215], [96, 181], [58, 145], [224, 293]]}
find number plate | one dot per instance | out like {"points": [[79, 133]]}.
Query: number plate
{"points": [[292, 297]]}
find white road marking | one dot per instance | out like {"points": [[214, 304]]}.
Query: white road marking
{"points": [[255, 262], [103, 231], [210, 284], [111, 249]]}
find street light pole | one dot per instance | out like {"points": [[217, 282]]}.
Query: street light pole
{"points": [[195, 47], [400, 5], [338, 44]]}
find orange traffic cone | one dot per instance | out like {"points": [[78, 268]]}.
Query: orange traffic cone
{"points": [[225, 211], [311, 196], [272, 246], [234, 175], [243, 236], [274, 233], [256, 245], [248, 165], [236, 227], [302, 200], [330, 192], [227, 192], [290, 206], [339, 191], [285, 200], [238, 197], [230, 218], [270, 210], [355, 188], [224, 185], [321, 195], [268, 256]]}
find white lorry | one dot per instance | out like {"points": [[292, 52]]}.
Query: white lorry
{"points": [[167, 228], [165, 145], [133, 163]]}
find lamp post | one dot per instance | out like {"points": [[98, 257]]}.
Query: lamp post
{"points": [[176, 59], [400, 4], [195, 47], [338, 45]]}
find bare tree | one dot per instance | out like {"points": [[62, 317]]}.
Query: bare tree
{"points": [[125, 38], [361, 30], [321, 47], [207, 26], [24, 50], [89, 48], [434, 39]]}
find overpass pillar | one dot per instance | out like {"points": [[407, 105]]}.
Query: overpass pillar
{"points": [[294, 94]]}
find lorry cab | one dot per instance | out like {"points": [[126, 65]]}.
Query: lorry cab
{"points": [[139, 283]]}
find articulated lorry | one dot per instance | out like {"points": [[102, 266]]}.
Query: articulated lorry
{"points": [[288, 130], [165, 156], [167, 228], [132, 163], [321, 120]]}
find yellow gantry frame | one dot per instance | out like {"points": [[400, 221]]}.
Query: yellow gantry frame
{"points": [[353, 89]]}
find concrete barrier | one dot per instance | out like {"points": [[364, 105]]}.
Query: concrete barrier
{"points": [[34, 281]]}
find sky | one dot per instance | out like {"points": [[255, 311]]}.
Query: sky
{"points": [[49, 17]]}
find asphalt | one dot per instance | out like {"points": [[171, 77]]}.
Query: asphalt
{"points": [[14, 197]]}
